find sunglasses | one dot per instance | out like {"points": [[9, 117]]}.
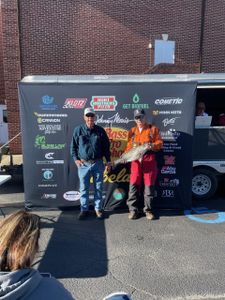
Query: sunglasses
{"points": [[139, 118], [90, 115]]}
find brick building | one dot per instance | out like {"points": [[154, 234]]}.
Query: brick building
{"points": [[103, 37]]}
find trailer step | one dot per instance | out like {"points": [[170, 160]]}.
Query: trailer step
{"points": [[4, 178]]}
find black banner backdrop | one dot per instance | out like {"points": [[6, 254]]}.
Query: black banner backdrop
{"points": [[50, 111]]}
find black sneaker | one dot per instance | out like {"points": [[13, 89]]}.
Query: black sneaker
{"points": [[82, 215]]}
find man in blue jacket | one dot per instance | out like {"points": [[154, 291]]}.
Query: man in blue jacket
{"points": [[89, 145]]}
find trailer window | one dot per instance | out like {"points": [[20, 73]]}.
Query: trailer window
{"points": [[5, 116], [214, 99]]}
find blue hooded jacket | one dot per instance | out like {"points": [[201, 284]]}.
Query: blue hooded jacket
{"points": [[29, 284]]}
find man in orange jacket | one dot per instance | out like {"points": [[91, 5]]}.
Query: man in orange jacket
{"points": [[145, 168]]}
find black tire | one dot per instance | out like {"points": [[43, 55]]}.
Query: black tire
{"points": [[204, 183]]}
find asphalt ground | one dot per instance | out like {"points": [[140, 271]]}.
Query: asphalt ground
{"points": [[181, 255]]}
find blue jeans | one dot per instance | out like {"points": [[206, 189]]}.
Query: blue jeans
{"points": [[85, 172]]}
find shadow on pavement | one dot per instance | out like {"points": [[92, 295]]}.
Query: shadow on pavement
{"points": [[76, 249]]}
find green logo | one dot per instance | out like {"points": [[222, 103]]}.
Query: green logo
{"points": [[135, 103], [136, 98], [39, 141]]}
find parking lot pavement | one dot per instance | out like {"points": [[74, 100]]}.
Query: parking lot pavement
{"points": [[178, 256]]}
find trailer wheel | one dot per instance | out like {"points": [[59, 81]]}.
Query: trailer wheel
{"points": [[204, 183]]}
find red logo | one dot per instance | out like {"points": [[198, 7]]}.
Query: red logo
{"points": [[169, 160], [75, 103], [104, 103]]}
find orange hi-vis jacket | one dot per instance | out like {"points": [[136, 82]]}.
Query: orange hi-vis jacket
{"points": [[149, 134]]}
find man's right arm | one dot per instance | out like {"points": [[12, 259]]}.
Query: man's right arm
{"points": [[74, 148]]}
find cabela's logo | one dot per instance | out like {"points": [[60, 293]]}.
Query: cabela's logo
{"points": [[104, 103], [136, 103]]}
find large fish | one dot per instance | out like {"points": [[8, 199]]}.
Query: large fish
{"points": [[133, 154]]}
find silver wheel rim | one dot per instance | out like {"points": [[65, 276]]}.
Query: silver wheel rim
{"points": [[201, 184]]}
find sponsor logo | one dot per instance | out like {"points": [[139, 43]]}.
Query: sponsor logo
{"points": [[43, 120], [71, 195], [118, 194], [166, 112], [47, 185], [40, 142], [170, 135], [116, 133], [170, 146], [48, 103], [50, 129], [171, 121], [47, 174], [169, 160], [118, 140], [168, 101], [167, 182], [114, 119], [167, 194], [168, 170], [75, 103], [49, 162], [48, 196], [103, 103], [136, 104], [49, 155], [50, 115]]}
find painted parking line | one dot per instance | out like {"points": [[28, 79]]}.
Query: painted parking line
{"points": [[218, 216]]}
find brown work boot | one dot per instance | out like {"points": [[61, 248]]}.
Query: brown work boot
{"points": [[99, 214], [149, 215], [132, 215], [82, 215]]}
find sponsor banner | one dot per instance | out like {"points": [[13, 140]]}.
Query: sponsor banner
{"points": [[50, 112]]}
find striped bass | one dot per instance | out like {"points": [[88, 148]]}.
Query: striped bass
{"points": [[133, 154]]}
